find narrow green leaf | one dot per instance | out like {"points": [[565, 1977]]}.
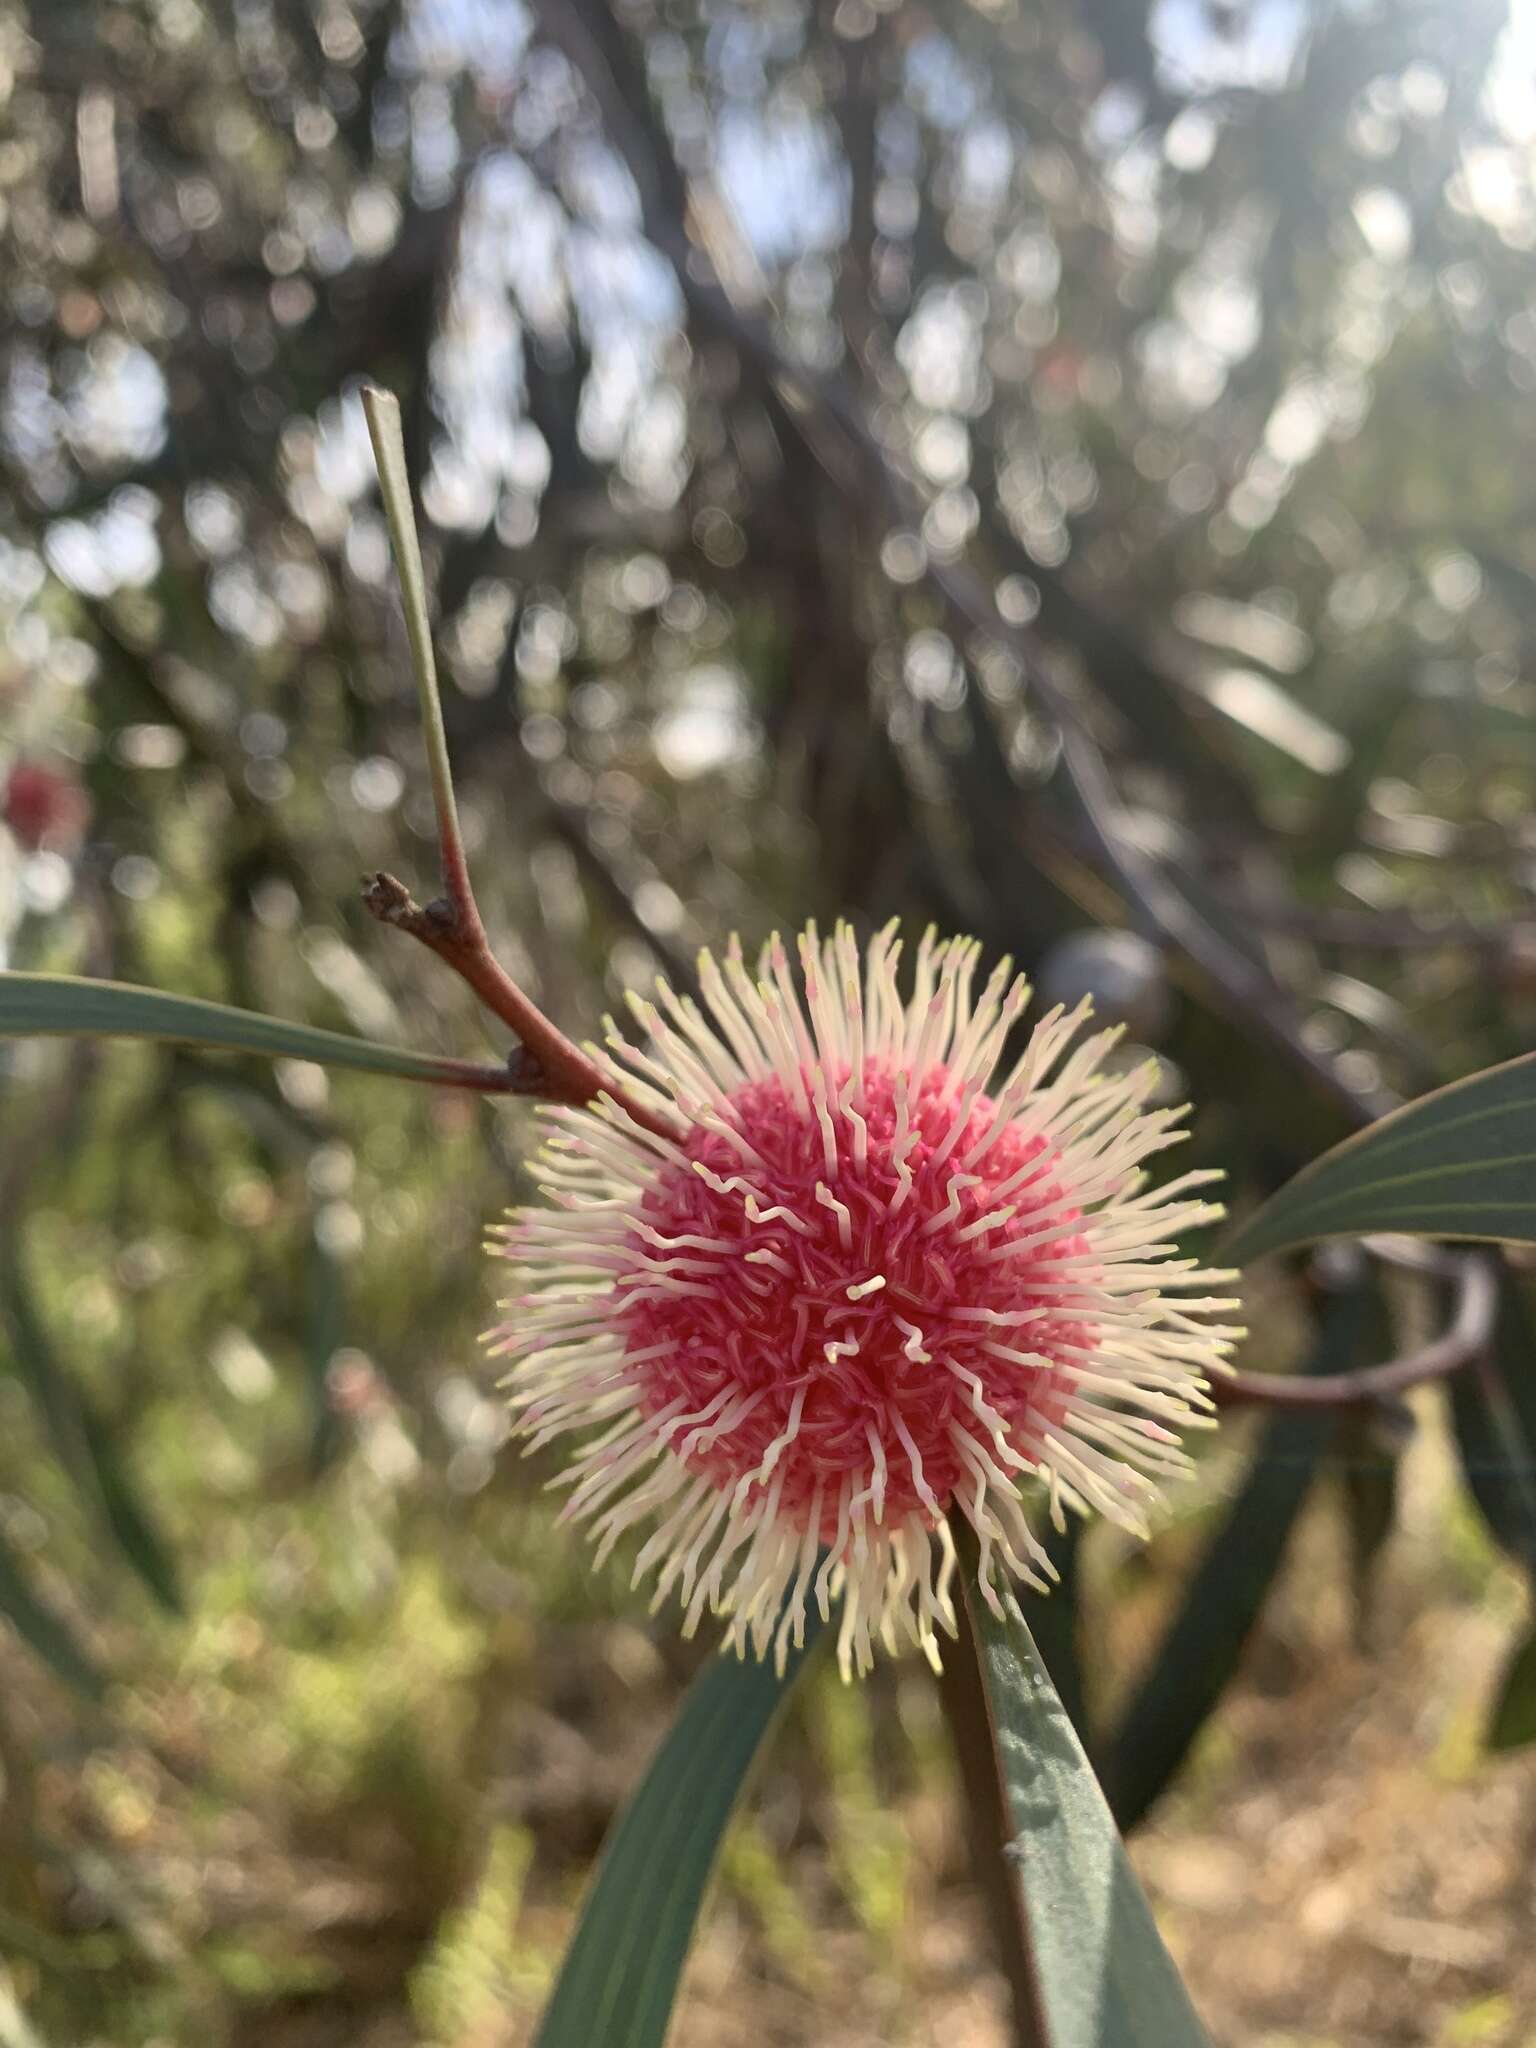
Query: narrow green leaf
{"points": [[1198, 1656], [135, 1530], [1369, 1446], [1055, 1621], [1493, 1411], [281, 1132], [64, 1005], [1370, 1478], [65, 1954], [382, 411], [1514, 1715], [1460, 1162], [325, 1329], [1102, 1974], [84, 1443], [620, 1974], [42, 1630]]}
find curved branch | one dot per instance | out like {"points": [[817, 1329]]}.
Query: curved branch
{"points": [[1468, 1335], [1379, 931]]}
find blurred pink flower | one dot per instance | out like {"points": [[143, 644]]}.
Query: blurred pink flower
{"points": [[855, 1290], [44, 807]]}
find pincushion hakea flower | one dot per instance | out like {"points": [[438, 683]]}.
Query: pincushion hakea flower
{"points": [[855, 1289]]}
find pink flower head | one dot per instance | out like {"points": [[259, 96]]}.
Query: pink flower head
{"points": [[854, 1290]]}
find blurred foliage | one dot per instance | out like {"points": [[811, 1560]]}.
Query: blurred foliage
{"points": [[1207, 335]]}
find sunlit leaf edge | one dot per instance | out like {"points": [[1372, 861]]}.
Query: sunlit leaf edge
{"points": [[1103, 1977], [1306, 1209]]}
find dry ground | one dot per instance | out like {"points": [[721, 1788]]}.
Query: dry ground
{"points": [[1340, 1867]]}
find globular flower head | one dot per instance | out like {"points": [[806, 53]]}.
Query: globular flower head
{"points": [[855, 1286]]}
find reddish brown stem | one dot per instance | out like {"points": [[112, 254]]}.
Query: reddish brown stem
{"points": [[548, 1064], [1468, 1336]]}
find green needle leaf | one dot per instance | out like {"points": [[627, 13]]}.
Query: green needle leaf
{"points": [[1514, 1714], [42, 1630], [382, 411], [1199, 1654], [1493, 1410], [86, 1445], [620, 1974], [64, 1005]]}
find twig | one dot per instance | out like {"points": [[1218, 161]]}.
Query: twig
{"points": [[547, 1064], [568, 822], [1414, 1255], [1249, 988], [1380, 931], [1468, 1337]]}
